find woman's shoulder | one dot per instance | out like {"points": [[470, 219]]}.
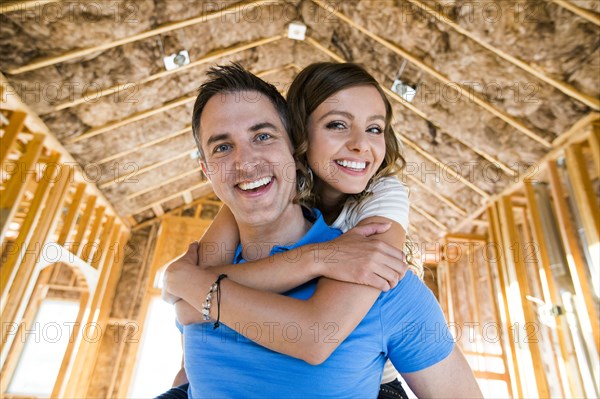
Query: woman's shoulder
{"points": [[389, 186]]}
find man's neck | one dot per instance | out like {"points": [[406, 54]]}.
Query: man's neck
{"points": [[257, 241]]}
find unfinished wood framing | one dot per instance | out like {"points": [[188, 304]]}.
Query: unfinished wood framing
{"points": [[11, 131], [71, 215], [569, 90], [587, 203], [493, 287], [25, 277], [147, 144], [206, 186], [496, 240], [515, 254], [26, 232], [575, 258], [15, 187], [429, 217], [577, 133], [23, 5], [548, 287], [83, 225], [86, 251], [133, 118], [10, 361]]}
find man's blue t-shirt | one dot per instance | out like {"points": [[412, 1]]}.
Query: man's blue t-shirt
{"points": [[405, 324]]}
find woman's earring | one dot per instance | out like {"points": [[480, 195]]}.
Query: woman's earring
{"points": [[306, 180]]}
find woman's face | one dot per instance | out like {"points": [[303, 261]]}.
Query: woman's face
{"points": [[346, 139]]}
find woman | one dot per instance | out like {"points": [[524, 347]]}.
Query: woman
{"points": [[341, 127]]}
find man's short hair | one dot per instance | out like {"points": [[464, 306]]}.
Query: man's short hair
{"points": [[233, 78]]}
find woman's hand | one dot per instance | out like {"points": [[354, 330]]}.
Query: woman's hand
{"points": [[187, 314], [189, 257], [359, 257]]}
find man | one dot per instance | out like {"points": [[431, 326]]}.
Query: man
{"points": [[241, 127]]}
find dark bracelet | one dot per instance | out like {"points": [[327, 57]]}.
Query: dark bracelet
{"points": [[218, 282], [214, 288]]}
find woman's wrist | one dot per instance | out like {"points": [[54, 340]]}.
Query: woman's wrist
{"points": [[310, 260]]}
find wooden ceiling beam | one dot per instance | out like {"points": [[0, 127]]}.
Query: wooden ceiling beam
{"points": [[442, 165], [167, 27], [582, 12], [15, 6], [132, 118], [187, 129], [206, 185], [429, 217], [150, 112], [124, 178], [197, 202], [163, 183], [493, 160], [437, 75], [124, 87], [445, 200], [417, 111], [567, 89]]}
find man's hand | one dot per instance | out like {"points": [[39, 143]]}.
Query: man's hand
{"points": [[358, 257], [189, 258]]}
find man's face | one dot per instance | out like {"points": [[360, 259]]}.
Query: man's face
{"points": [[248, 156]]}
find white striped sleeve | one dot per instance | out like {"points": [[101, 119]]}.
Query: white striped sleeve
{"points": [[389, 200]]}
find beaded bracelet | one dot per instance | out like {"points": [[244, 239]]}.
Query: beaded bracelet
{"points": [[214, 288]]}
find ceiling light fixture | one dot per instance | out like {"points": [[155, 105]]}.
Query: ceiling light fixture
{"points": [[404, 90], [176, 60], [296, 30]]}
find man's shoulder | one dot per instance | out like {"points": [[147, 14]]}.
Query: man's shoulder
{"points": [[409, 289]]}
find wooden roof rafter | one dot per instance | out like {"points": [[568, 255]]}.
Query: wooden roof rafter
{"points": [[213, 55], [167, 27], [567, 89], [124, 178], [187, 129], [196, 202], [164, 183], [149, 112], [205, 185], [429, 217], [445, 200], [132, 118], [437, 75], [15, 6], [582, 12], [442, 166]]}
